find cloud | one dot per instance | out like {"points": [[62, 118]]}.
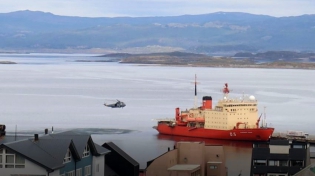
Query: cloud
{"points": [[142, 8]]}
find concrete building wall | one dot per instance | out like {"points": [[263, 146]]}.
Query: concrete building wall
{"points": [[215, 159], [179, 173], [98, 165], [211, 153], [160, 165], [191, 153]]}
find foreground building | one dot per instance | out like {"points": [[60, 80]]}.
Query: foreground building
{"points": [[61, 154], [279, 157], [189, 159], [120, 162]]}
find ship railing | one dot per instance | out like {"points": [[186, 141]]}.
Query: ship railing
{"points": [[237, 101]]}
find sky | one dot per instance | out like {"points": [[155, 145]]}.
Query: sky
{"points": [[149, 8]]}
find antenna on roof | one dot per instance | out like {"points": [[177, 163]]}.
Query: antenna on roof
{"points": [[15, 132]]}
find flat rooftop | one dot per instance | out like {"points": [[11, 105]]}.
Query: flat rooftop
{"points": [[184, 167]]}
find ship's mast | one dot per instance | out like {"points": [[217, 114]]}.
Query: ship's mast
{"points": [[264, 125], [195, 103]]}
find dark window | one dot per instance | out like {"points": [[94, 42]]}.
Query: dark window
{"points": [[260, 162], [297, 163]]}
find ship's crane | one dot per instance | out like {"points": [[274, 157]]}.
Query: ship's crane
{"points": [[258, 120]]}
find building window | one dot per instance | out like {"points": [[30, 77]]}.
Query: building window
{"points": [[86, 151], [79, 172], [297, 146], [297, 163], [260, 163], [283, 163], [67, 157], [19, 161], [213, 167], [71, 173], [11, 160], [87, 170], [273, 163]]}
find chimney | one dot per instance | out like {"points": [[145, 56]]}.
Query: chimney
{"points": [[35, 137], [207, 102]]}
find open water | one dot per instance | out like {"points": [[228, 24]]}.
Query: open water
{"points": [[53, 90]]}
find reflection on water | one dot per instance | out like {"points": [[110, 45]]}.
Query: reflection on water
{"points": [[243, 144]]}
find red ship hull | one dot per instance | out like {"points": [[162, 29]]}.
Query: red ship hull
{"points": [[255, 134]]}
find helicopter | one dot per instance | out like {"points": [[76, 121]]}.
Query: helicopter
{"points": [[118, 104]]}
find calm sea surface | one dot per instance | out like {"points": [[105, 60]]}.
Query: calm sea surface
{"points": [[51, 90]]}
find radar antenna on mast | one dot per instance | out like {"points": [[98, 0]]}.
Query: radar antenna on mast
{"points": [[226, 90]]}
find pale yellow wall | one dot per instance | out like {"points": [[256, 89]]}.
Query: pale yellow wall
{"points": [[231, 115], [216, 120]]}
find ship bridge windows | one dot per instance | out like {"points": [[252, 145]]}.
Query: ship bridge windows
{"points": [[218, 108], [235, 105]]}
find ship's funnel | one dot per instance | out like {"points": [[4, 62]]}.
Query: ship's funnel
{"points": [[207, 102]]}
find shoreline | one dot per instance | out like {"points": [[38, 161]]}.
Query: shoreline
{"points": [[7, 62], [225, 66]]}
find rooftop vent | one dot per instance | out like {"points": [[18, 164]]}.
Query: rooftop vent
{"points": [[35, 137]]}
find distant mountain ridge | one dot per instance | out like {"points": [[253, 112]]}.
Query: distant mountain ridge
{"points": [[230, 32]]}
